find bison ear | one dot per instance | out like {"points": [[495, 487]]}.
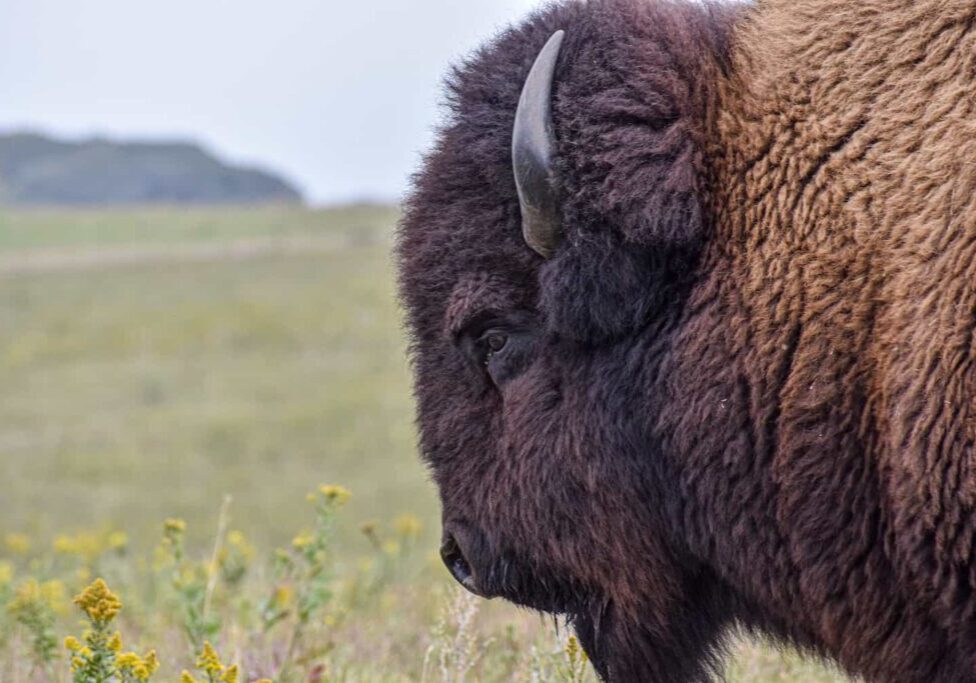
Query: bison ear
{"points": [[632, 117], [632, 130]]}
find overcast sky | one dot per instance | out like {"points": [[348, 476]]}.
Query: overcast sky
{"points": [[339, 95]]}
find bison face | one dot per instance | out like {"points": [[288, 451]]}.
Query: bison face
{"points": [[544, 258]]}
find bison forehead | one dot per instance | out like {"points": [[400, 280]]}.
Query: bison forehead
{"points": [[477, 292]]}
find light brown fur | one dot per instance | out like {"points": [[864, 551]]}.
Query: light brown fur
{"points": [[844, 167]]}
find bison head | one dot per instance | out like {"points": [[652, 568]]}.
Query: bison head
{"points": [[546, 256]]}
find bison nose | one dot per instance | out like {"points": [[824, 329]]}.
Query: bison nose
{"points": [[457, 564]]}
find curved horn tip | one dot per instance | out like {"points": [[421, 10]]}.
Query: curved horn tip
{"points": [[533, 146]]}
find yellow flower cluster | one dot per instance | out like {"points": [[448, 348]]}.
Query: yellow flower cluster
{"points": [[208, 660], [209, 663], [238, 541], [141, 668], [89, 545], [80, 654], [85, 545], [32, 595], [334, 494], [127, 663], [118, 540], [72, 644], [98, 602], [574, 652], [283, 597], [89, 659], [171, 547], [303, 541], [407, 525], [174, 526], [18, 544], [6, 573]]}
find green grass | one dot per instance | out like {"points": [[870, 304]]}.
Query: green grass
{"points": [[254, 378], [57, 228], [133, 393]]}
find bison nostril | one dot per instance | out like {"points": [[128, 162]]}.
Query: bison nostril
{"points": [[457, 564]]}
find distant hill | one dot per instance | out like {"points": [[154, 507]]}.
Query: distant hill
{"points": [[37, 169]]}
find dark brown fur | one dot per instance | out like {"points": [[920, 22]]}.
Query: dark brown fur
{"points": [[748, 394]]}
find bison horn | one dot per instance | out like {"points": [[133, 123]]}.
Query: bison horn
{"points": [[533, 146]]}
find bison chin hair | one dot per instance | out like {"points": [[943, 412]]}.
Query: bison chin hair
{"points": [[620, 645]]}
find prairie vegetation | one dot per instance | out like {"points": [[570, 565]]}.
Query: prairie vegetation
{"points": [[164, 425]]}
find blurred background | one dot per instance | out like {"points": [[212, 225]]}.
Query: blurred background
{"points": [[197, 201]]}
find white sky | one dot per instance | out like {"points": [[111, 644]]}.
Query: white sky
{"points": [[339, 95]]}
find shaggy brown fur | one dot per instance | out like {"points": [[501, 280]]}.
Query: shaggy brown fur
{"points": [[742, 391]]}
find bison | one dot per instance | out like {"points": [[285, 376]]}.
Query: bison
{"points": [[691, 291]]}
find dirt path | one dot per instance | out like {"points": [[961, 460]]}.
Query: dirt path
{"points": [[88, 258]]}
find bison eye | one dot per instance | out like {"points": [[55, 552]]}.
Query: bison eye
{"points": [[494, 341], [501, 345]]}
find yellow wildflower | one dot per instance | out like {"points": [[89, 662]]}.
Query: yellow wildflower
{"points": [[72, 644], [6, 573], [230, 674], [391, 548], [98, 602], [127, 660], [208, 660], [26, 598], [18, 544], [191, 573], [141, 668], [407, 525], [239, 542], [283, 597], [151, 661], [84, 544], [575, 654], [303, 541], [186, 677], [63, 544], [174, 525], [118, 540], [337, 495], [115, 642]]}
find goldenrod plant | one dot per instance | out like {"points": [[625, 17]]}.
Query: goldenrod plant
{"points": [[34, 606], [212, 669], [189, 581], [307, 583], [98, 656]]}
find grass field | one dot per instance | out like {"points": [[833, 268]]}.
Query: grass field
{"points": [[139, 389]]}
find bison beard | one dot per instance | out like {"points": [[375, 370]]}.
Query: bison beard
{"points": [[736, 388]]}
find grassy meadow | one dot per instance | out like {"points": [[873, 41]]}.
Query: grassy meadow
{"points": [[212, 367]]}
